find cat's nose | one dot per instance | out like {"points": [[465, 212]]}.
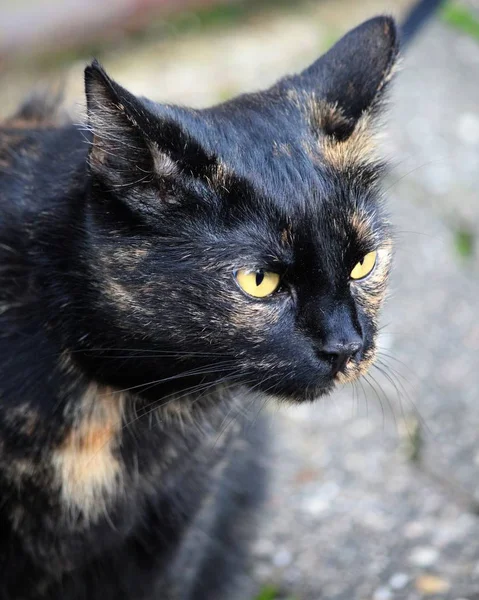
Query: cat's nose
{"points": [[340, 353]]}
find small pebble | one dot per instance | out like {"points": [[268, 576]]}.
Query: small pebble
{"points": [[264, 548], [292, 575], [282, 558], [468, 128], [321, 500], [382, 593], [316, 506], [399, 581], [414, 529], [431, 584], [424, 556], [263, 571]]}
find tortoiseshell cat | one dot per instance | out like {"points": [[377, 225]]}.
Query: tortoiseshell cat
{"points": [[153, 281]]}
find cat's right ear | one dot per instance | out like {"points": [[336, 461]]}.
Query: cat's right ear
{"points": [[132, 141], [119, 148]]}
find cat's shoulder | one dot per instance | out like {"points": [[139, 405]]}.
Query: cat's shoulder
{"points": [[42, 162], [34, 156], [19, 211], [39, 149]]}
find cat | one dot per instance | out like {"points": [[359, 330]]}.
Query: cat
{"points": [[163, 270]]}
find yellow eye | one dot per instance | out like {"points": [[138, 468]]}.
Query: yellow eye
{"points": [[258, 284], [364, 266]]}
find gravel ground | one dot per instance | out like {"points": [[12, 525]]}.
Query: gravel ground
{"points": [[375, 494]]}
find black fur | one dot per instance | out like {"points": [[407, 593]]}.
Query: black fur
{"points": [[130, 359]]}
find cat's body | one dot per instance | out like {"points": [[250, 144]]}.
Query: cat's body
{"points": [[113, 530], [129, 356]]}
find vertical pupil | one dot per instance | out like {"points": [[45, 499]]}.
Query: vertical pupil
{"points": [[259, 277]]}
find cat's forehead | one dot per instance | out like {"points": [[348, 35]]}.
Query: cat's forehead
{"points": [[283, 173], [270, 159], [318, 212], [268, 144], [280, 148]]}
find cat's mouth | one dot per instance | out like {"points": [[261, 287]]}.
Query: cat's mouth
{"points": [[355, 369], [296, 393], [307, 395]]}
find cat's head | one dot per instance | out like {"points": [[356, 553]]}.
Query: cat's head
{"points": [[245, 242]]}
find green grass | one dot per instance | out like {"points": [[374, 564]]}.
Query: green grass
{"points": [[462, 18], [269, 592], [415, 443], [464, 243]]}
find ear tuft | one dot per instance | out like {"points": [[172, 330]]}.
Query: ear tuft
{"points": [[103, 95], [96, 80], [115, 138]]}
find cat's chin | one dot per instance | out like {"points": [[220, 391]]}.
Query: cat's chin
{"points": [[302, 396]]}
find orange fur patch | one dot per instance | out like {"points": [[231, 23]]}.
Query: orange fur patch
{"points": [[358, 149], [87, 465]]}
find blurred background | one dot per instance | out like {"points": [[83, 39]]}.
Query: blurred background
{"points": [[375, 491]]}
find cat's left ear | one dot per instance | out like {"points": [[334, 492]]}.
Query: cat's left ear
{"points": [[349, 81]]}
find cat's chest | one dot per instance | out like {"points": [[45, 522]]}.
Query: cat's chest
{"points": [[101, 458]]}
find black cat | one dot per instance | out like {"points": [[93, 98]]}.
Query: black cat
{"points": [[157, 274]]}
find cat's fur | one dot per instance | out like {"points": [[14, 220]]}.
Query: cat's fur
{"points": [[129, 357]]}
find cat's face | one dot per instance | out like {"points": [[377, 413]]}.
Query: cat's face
{"points": [[247, 242]]}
